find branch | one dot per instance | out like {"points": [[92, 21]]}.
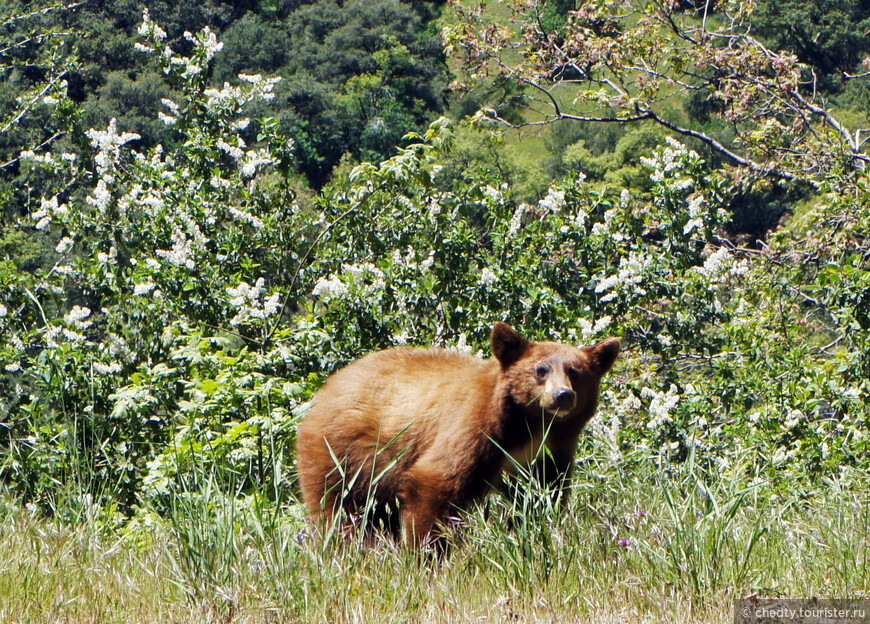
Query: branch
{"points": [[732, 155], [30, 104]]}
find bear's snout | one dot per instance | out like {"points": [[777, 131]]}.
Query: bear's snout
{"points": [[564, 399]]}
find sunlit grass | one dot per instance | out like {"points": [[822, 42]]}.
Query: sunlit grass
{"points": [[651, 544]]}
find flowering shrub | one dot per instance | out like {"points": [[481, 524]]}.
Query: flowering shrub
{"points": [[194, 306]]}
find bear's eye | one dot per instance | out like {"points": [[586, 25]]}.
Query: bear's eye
{"points": [[573, 373], [542, 370]]}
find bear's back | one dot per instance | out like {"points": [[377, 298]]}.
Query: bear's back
{"points": [[390, 390]]}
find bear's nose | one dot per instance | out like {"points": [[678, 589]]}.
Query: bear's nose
{"points": [[564, 398]]}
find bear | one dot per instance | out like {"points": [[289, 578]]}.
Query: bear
{"points": [[406, 438]]}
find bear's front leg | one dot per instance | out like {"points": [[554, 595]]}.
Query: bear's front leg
{"points": [[423, 499]]}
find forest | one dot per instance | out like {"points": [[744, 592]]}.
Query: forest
{"points": [[207, 208]]}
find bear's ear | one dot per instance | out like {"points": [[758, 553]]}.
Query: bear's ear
{"points": [[507, 345], [603, 355]]}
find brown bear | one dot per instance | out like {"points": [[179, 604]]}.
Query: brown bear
{"points": [[405, 438]]}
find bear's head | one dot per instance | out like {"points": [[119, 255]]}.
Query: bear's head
{"points": [[554, 379]]}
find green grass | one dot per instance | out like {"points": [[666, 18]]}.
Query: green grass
{"points": [[646, 544]]}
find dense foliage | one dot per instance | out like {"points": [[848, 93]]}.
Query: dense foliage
{"points": [[358, 75], [191, 304]]}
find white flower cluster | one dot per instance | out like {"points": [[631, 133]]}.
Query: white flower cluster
{"points": [[329, 287], [611, 435], [365, 277], [784, 454], [554, 200], [409, 261], [661, 404], [48, 158], [181, 253], [101, 196], [696, 213], [629, 277], [621, 409], [107, 258], [169, 120], [517, 219], [487, 277], [667, 165], [148, 28], [250, 302], [358, 274], [493, 193], [64, 245], [603, 228], [231, 96], [117, 348], [461, 345], [101, 368], [77, 316], [48, 209], [793, 419], [144, 288], [589, 329], [720, 265], [248, 161], [108, 144], [206, 42], [246, 217]]}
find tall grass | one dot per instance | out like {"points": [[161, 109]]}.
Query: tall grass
{"points": [[637, 542]]}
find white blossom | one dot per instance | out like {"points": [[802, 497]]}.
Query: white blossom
{"points": [[106, 369], [3, 310], [426, 264], [554, 201], [181, 252], [329, 287], [517, 219], [208, 40], [77, 315], [149, 28], [589, 329], [661, 403], [716, 264], [461, 344], [793, 419], [247, 299], [629, 277], [487, 277], [172, 106], [493, 193], [234, 151], [241, 215], [108, 143], [14, 367], [101, 196], [65, 244], [255, 159], [144, 288]]}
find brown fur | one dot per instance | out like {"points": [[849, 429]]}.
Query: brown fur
{"points": [[425, 432]]}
